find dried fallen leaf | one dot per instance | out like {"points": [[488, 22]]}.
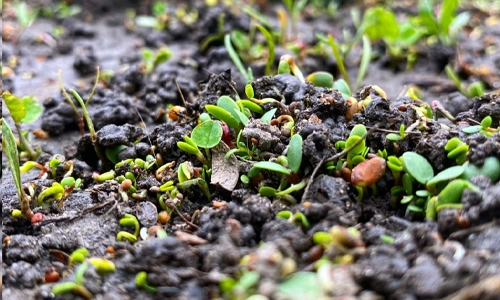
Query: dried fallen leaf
{"points": [[225, 172], [190, 239]]}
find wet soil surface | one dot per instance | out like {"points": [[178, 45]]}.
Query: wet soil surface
{"points": [[233, 229]]}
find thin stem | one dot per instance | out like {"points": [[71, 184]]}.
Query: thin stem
{"points": [[98, 72], [24, 142], [68, 99]]}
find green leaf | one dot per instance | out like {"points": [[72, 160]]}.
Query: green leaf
{"points": [[358, 148], [33, 109], [268, 116], [394, 137], [397, 191], [15, 105], [407, 199], [236, 59], [453, 154], [426, 14], [380, 23], [223, 115], [294, 153], [422, 193], [458, 22], [472, 129], [453, 143], [358, 130], [270, 45], [300, 285], [447, 15], [408, 184], [415, 208], [346, 84], [476, 89], [342, 86], [490, 168], [286, 214], [271, 166], [418, 167], [248, 280], [207, 134], [10, 148], [146, 21], [452, 193], [322, 238], [113, 152], [486, 122], [365, 60], [321, 79], [229, 105], [252, 106], [447, 174], [188, 148], [243, 118]]}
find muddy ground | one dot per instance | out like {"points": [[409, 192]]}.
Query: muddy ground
{"points": [[398, 255]]}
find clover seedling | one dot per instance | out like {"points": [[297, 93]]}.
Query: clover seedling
{"points": [[23, 110], [206, 135], [490, 168], [358, 153], [241, 288], [102, 266], [10, 148], [475, 89]]}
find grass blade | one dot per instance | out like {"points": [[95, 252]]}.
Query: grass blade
{"points": [[235, 57], [365, 60], [270, 45], [339, 59]]}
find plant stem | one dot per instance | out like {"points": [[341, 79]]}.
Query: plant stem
{"points": [[90, 124], [24, 143]]}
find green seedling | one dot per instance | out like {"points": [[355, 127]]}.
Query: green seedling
{"points": [[302, 285], [228, 111], [159, 18], [475, 89], [447, 25], [78, 256], [457, 150], [241, 288], [345, 243], [206, 135], [141, 282], [23, 110], [246, 73], [449, 197], [113, 152], [395, 137], [358, 153], [287, 65], [102, 266], [484, 128], [16, 213], [76, 287], [199, 182], [154, 59], [29, 165], [56, 191], [184, 173], [129, 220], [86, 115], [297, 218], [270, 45], [490, 168], [104, 176], [294, 9], [26, 14], [285, 194]]}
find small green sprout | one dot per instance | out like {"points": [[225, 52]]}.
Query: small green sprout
{"points": [[287, 64], [246, 73], [153, 60], [457, 150], [206, 135], [447, 25], [29, 165], [141, 282], [76, 287], [228, 111], [16, 213], [129, 220], [78, 256], [490, 168], [297, 218], [358, 153], [395, 137], [102, 266], [483, 128], [475, 89], [104, 176], [23, 110], [56, 191], [241, 288], [270, 45]]}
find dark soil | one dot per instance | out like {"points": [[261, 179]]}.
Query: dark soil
{"points": [[456, 256]]}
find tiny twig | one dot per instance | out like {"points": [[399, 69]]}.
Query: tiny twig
{"points": [[332, 158], [170, 204], [180, 92], [85, 212]]}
